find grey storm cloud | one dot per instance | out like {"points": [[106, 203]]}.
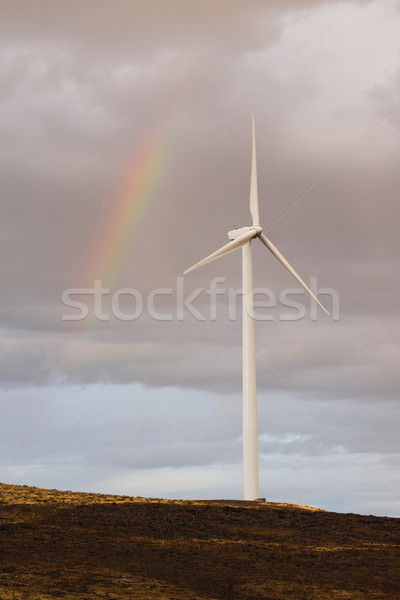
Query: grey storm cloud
{"points": [[85, 89]]}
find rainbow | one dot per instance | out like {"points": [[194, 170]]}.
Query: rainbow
{"points": [[107, 257], [135, 193]]}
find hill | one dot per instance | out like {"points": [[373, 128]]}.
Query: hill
{"points": [[57, 544]]}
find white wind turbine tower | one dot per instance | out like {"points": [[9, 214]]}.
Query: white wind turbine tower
{"points": [[241, 238]]}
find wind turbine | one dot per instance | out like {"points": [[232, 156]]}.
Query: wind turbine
{"points": [[241, 238]]}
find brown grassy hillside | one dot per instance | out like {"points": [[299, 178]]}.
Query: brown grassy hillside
{"points": [[67, 545]]}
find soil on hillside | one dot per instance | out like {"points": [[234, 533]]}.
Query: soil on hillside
{"points": [[84, 546]]}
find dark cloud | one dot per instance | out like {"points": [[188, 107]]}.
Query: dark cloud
{"points": [[87, 87]]}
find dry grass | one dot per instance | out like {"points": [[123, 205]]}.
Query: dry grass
{"points": [[57, 544]]}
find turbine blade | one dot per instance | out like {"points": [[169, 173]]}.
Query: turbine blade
{"points": [[253, 180], [230, 247], [285, 263]]}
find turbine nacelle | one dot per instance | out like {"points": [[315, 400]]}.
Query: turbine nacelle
{"points": [[235, 233]]}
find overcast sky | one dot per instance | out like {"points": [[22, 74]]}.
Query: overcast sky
{"points": [[125, 158]]}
